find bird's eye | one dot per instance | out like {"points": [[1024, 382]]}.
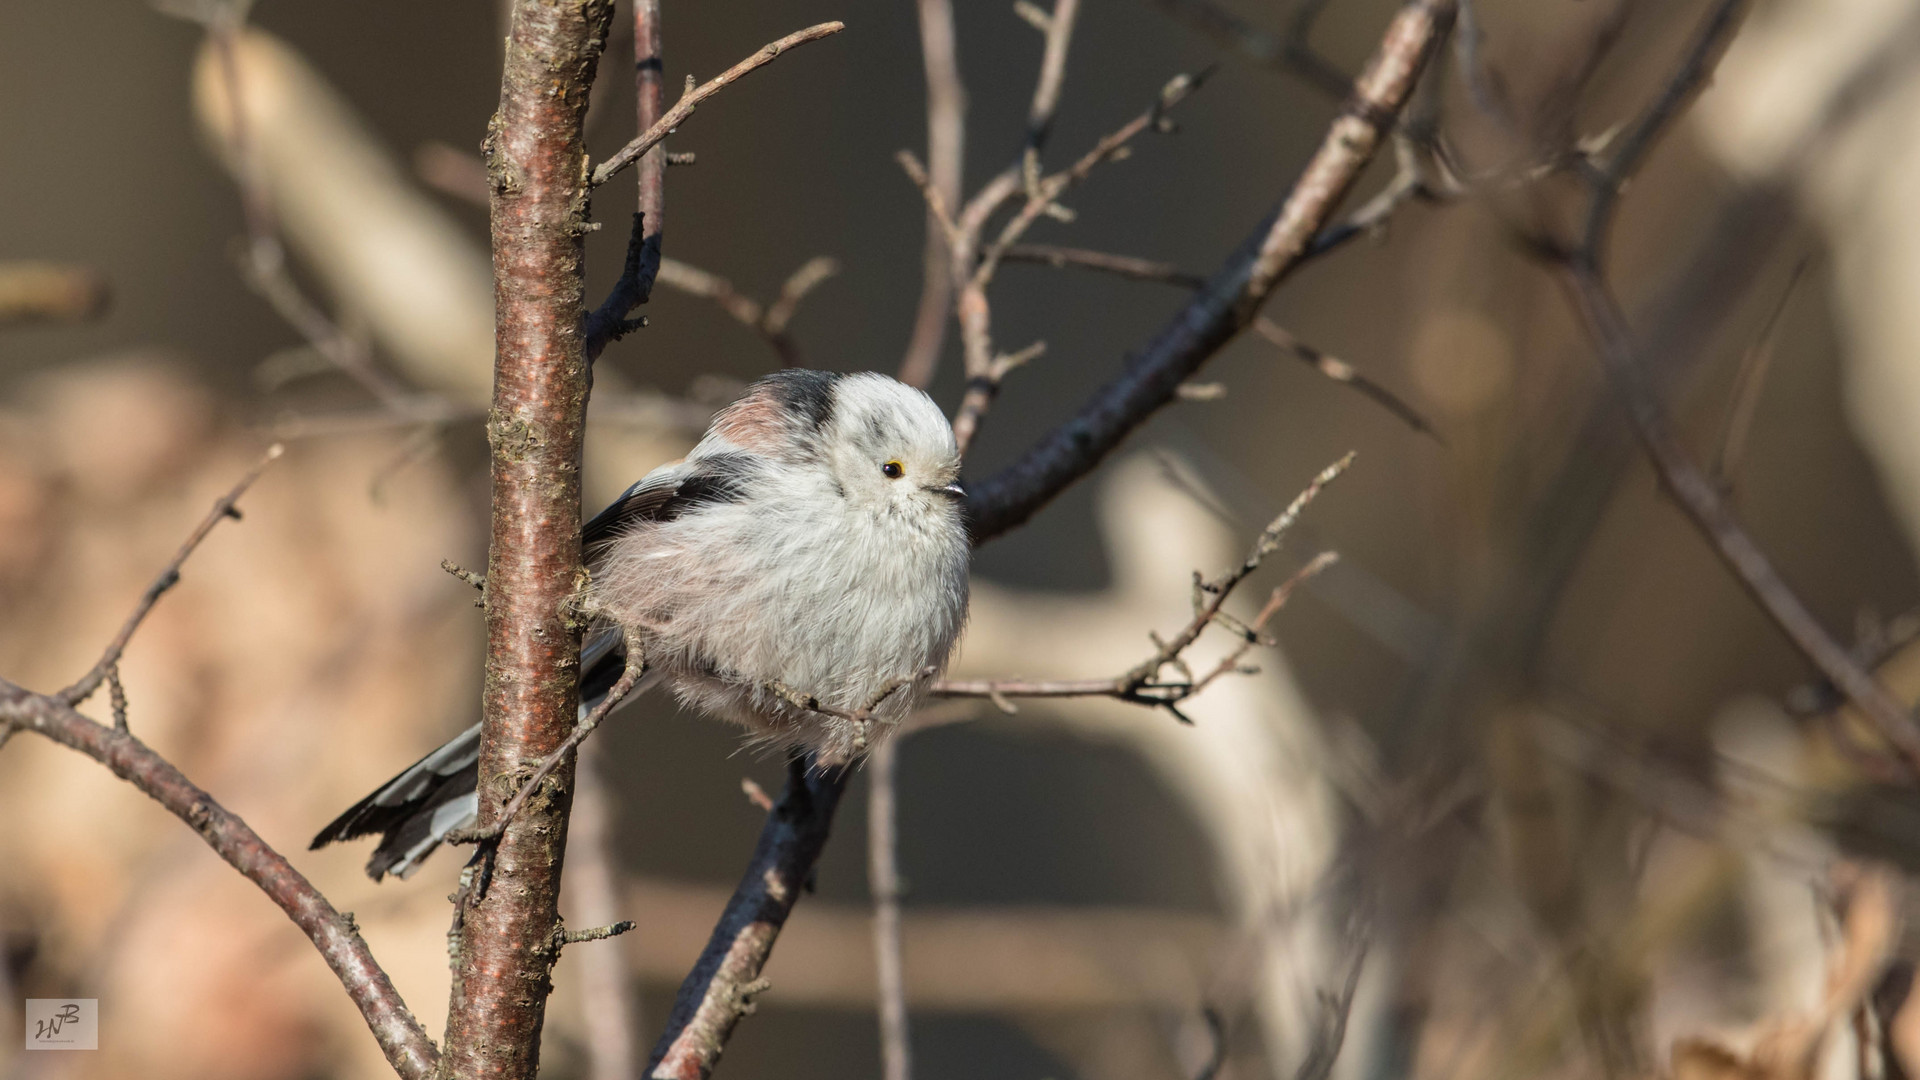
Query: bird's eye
{"points": [[894, 470]]}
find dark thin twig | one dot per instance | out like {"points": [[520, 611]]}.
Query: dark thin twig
{"points": [[1137, 269], [720, 988], [769, 321], [1342, 372], [1702, 500], [984, 373], [609, 322], [223, 508], [263, 262]]}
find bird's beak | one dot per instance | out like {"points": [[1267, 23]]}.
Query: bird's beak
{"points": [[954, 489]]}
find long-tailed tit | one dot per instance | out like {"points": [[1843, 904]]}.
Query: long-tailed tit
{"points": [[810, 551]]}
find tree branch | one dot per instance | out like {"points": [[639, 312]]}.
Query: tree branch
{"points": [[1137, 269], [608, 323], [720, 988], [718, 991], [405, 1043], [1144, 683], [504, 944], [169, 576], [1291, 53], [1702, 500], [1705, 506], [946, 146], [683, 108], [1232, 296]]}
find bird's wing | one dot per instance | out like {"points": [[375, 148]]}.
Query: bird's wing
{"points": [[641, 502], [666, 493]]}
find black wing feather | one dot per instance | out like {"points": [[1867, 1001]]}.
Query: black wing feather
{"points": [[665, 494]]}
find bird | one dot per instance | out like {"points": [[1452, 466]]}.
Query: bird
{"points": [[802, 572]]}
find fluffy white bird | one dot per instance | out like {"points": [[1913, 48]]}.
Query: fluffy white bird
{"points": [[812, 546]]}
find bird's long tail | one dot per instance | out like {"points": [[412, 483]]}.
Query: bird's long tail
{"points": [[414, 811]]}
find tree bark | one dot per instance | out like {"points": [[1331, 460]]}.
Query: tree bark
{"points": [[506, 941]]}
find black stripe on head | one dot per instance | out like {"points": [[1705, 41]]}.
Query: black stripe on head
{"points": [[805, 395]]}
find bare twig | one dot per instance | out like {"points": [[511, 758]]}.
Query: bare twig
{"points": [[263, 262], [1629, 150], [1043, 192], [883, 879], [1137, 269], [1697, 494], [32, 292], [1144, 683], [406, 1045], [223, 508], [946, 144], [1125, 266], [1342, 372], [649, 89], [636, 668], [1232, 296], [720, 988], [1707, 508], [769, 321], [117, 698], [1744, 401], [1046, 90], [609, 322], [691, 100], [464, 175]]}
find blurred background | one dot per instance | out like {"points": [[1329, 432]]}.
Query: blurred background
{"points": [[1529, 786]]}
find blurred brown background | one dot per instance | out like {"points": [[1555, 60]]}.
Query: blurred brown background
{"points": [[317, 647]]}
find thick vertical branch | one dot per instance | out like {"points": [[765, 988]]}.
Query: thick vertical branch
{"points": [[946, 143], [536, 164]]}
